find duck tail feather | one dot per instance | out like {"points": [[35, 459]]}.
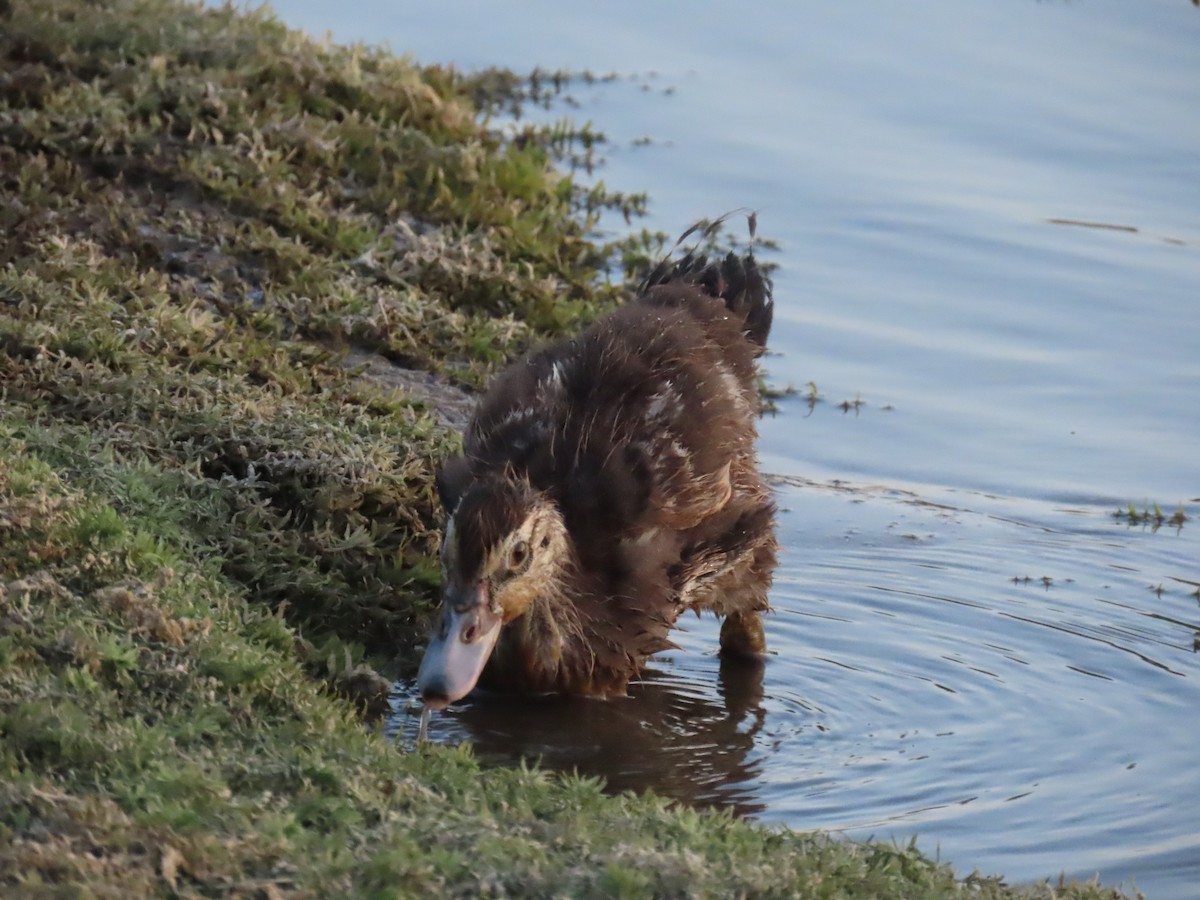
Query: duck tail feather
{"points": [[748, 295], [738, 281]]}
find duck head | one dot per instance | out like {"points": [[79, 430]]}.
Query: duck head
{"points": [[504, 549]]}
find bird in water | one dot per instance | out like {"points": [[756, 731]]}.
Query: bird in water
{"points": [[607, 484]]}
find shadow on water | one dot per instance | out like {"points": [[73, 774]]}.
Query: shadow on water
{"points": [[673, 735]]}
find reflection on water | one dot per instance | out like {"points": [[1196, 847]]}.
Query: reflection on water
{"points": [[669, 735]]}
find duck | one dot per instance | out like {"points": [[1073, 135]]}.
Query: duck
{"points": [[607, 484]]}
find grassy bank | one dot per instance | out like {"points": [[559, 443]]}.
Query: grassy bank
{"points": [[217, 525]]}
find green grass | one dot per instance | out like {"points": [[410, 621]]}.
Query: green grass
{"points": [[218, 539]]}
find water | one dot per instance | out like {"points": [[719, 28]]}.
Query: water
{"points": [[968, 647]]}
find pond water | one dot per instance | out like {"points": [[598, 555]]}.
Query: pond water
{"points": [[989, 228]]}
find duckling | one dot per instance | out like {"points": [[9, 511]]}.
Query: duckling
{"points": [[607, 484]]}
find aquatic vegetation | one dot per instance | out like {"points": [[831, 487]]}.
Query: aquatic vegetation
{"points": [[1152, 515], [217, 528], [856, 404]]}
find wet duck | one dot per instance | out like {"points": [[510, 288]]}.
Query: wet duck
{"points": [[608, 484]]}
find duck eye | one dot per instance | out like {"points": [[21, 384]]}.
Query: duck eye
{"points": [[518, 555]]}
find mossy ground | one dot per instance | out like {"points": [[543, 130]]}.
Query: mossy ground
{"points": [[208, 518]]}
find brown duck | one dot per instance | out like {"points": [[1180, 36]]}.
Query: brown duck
{"points": [[608, 483]]}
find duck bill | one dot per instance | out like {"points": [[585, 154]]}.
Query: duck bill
{"points": [[459, 648]]}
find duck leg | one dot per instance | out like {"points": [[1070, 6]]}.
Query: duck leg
{"points": [[742, 635]]}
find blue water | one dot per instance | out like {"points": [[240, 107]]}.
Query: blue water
{"points": [[1020, 379]]}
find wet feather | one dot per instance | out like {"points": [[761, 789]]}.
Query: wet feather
{"points": [[623, 463]]}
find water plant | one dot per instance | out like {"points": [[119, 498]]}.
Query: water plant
{"points": [[1152, 515]]}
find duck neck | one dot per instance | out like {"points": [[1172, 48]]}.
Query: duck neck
{"points": [[547, 642]]}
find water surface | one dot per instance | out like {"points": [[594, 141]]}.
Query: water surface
{"points": [[968, 646]]}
